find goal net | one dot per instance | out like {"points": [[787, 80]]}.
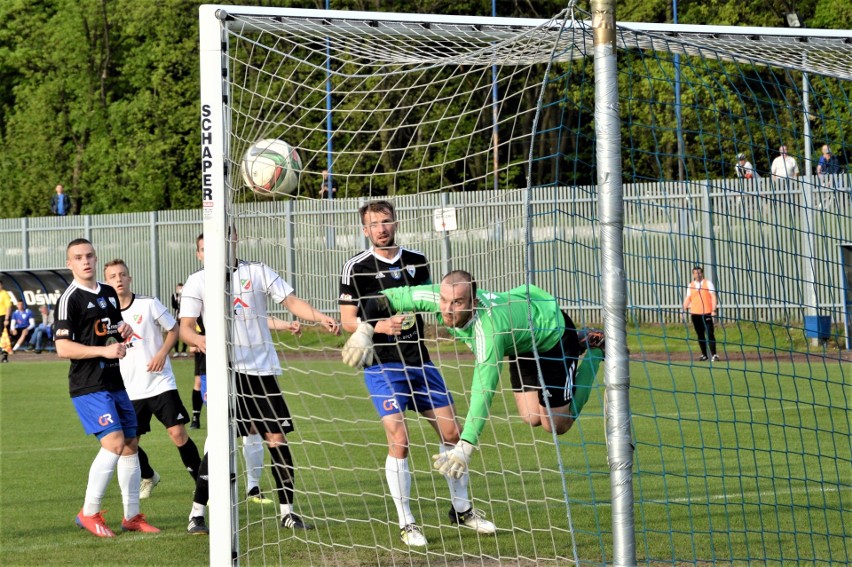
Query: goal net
{"points": [[483, 133]]}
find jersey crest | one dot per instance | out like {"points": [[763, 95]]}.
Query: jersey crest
{"points": [[395, 272], [246, 285], [411, 270], [137, 318]]}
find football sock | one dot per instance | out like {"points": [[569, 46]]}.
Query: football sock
{"points": [[144, 466], [100, 473], [283, 472], [128, 480], [188, 455], [399, 482], [458, 487], [253, 455], [197, 403], [197, 510], [584, 379], [202, 486]]}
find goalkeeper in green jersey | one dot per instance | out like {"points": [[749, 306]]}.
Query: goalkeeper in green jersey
{"points": [[514, 324]]}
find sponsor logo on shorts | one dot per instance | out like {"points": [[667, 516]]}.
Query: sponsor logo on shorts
{"points": [[105, 419], [62, 333], [345, 297], [390, 404]]}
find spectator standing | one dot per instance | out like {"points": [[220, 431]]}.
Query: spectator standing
{"points": [[745, 170], [60, 204], [828, 164], [324, 187], [701, 303], [7, 300], [784, 166], [23, 322], [44, 332]]}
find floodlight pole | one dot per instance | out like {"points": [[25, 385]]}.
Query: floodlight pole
{"points": [[495, 133], [681, 169], [809, 271], [619, 440]]}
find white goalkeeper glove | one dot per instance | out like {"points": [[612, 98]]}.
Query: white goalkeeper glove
{"points": [[358, 350], [453, 463]]}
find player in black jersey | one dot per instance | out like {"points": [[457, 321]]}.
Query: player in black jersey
{"points": [[402, 375], [90, 332]]}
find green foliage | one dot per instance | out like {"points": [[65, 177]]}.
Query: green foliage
{"points": [[102, 96]]}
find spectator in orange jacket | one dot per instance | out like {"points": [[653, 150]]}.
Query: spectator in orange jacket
{"points": [[701, 303]]}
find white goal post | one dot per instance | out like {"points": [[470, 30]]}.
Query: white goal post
{"points": [[419, 105]]}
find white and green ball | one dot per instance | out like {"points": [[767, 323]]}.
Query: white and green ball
{"points": [[271, 166]]}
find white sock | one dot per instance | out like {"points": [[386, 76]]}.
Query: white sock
{"points": [[253, 455], [129, 475], [197, 510], [458, 487], [285, 509], [100, 473], [399, 482]]}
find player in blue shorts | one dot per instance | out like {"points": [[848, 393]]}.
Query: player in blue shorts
{"points": [[90, 332], [402, 376]]}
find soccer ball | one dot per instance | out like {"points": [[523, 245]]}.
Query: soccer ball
{"points": [[271, 166]]}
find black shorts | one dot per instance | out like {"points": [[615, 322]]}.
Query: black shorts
{"points": [[200, 363], [261, 403], [166, 407], [558, 366]]}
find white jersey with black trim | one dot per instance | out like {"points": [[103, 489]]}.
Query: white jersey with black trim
{"points": [[149, 319], [252, 351]]}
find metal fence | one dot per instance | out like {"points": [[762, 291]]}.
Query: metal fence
{"points": [[747, 234]]}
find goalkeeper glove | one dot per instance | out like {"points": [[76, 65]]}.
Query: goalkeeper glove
{"points": [[453, 463], [358, 350]]}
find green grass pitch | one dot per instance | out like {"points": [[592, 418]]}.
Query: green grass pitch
{"points": [[742, 463]]}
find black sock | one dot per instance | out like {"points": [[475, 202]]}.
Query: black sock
{"points": [[189, 455], [283, 472], [147, 471], [197, 403], [202, 485]]}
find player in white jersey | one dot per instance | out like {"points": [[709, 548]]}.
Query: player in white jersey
{"points": [[260, 403], [147, 372]]}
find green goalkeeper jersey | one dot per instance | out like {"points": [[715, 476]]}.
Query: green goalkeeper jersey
{"points": [[503, 324]]}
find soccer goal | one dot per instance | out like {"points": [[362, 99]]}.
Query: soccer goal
{"points": [[598, 161]]}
